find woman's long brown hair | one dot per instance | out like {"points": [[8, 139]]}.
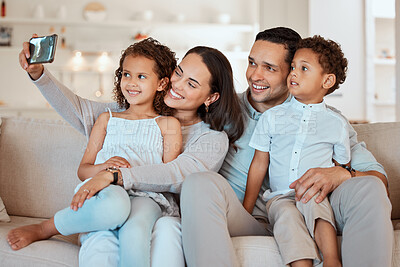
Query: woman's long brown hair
{"points": [[225, 113]]}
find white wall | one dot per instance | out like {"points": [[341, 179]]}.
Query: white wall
{"points": [[16, 90], [343, 22], [287, 13]]}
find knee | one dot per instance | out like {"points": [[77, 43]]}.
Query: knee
{"points": [[367, 187], [363, 195], [375, 194], [115, 203], [374, 184]]}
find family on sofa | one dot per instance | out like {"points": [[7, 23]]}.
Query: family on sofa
{"points": [[200, 150]]}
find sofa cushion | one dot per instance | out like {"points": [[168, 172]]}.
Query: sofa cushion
{"points": [[3, 213], [34, 182], [257, 251], [57, 251], [261, 251], [383, 140]]}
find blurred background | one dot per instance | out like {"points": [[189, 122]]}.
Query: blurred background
{"points": [[92, 35]]}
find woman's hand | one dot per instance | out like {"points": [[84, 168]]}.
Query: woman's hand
{"points": [[34, 70], [117, 162], [89, 189]]}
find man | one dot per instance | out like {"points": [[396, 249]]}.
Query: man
{"points": [[211, 206]]}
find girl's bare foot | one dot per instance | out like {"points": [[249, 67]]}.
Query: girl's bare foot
{"points": [[23, 236]]}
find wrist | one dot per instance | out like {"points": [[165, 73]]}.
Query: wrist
{"points": [[120, 180], [108, 176], [349, 169], [115, 174], [35, 75]]}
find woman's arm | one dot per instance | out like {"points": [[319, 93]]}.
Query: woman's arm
{"points": [[79, 112], [258, 170], [205, 151], [172, 137]]}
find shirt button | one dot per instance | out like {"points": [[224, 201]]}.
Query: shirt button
{"points": [[292, 169]]}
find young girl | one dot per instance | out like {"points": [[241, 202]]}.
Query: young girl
{"points": [[134, 137]]}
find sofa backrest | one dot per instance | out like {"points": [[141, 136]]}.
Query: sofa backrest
{"points": [[383, 140], [39, 160], [38, 165]]}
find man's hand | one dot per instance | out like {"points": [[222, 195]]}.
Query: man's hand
{"points": [[319, 180], [34, 70], [89, 189]]}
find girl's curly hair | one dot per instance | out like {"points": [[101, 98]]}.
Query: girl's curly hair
{"points": [[165, 65], [330, 57]]}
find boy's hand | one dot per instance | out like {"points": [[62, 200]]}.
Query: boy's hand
{"points": [[89, 189], [34, 70]]}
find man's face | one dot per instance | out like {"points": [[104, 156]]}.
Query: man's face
{"points": [[266, 75]]}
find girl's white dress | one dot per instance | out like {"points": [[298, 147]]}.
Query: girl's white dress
{"points": [[140, 142]]}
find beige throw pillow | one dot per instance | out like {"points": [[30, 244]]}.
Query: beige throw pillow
{"points": [[3, 213]]}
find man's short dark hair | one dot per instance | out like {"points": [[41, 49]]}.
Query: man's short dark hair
{"points": [[281, 35]]}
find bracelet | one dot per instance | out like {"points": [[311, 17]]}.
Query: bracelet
{"points": [[350, 169], [114, 171]]}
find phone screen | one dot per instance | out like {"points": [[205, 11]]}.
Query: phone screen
{"points": [[42, 49]]}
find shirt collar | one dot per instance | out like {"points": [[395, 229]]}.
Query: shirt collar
{"points": [[252, 112], [313, 107]]}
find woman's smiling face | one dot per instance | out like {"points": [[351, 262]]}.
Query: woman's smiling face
{"points": [[190, 84]]}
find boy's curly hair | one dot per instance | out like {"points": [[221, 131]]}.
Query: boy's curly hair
{"points": [[165, 64], [330, 56]]}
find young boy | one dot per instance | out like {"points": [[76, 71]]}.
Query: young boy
{"points": [[294, 137]]}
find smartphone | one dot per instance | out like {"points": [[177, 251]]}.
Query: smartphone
{"points": [[42, 49]]}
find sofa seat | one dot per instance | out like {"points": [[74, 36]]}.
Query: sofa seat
{"points": [[255, 251], [58, 251]]}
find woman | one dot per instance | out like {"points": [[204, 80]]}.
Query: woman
{"points": [[205, 103]]}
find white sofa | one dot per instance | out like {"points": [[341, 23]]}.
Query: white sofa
{"points": [[38, 163]]}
